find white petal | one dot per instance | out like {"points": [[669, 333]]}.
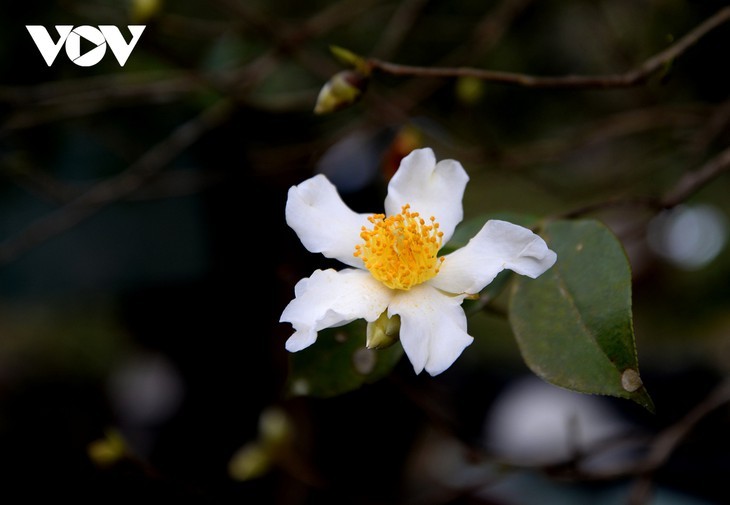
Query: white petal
{"points": [[497, 246], [432, 189], [329, 298], [323, 222], [433, 327]]}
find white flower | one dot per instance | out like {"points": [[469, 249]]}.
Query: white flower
{"points": [[395, 263]]}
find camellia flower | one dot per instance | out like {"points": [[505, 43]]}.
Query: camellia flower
{"points": [[396, 267]]}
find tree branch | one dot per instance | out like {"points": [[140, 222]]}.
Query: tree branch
{"points": [[634, 77], [685, 187], [694, 181]]}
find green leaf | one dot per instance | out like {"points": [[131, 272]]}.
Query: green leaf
{"points": [[574, 324], [339, 362]]}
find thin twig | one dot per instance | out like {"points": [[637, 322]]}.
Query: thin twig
{"points": [[668, 441], [659, 449], [694, 181], [634, 77], [717, 122], [685, 187], [397, 106]]}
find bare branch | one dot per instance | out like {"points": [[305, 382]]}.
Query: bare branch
{"points": [[694, 181], [668, 441], [687, 186], [634, 77]]}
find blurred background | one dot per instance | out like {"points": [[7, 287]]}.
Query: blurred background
{"points": [[144, 257]]}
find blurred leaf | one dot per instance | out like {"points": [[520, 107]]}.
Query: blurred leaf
{"points": [[339, 362], [574, 323]]}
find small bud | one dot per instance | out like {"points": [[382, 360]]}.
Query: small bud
{"points": [[275, 427], [257, 457], [469, 90], [249, 462], [383, 332], [108, 450], [342, 90]]}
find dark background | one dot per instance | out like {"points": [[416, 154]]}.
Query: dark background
{"points": [[144, 267]]}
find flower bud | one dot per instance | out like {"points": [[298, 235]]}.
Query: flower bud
{"points": [[469, 90], [342, 90], [108, 450], [257, 457], [275, 427], [249, 462], [383, 332]]}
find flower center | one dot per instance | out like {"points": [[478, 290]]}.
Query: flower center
{"points": [[401, 250]]}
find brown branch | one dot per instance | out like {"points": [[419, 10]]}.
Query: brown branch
{"points": [[685, 187], [668, 441], [659, 449], [77, 98], [117, 187], [694, 181], [634, 77], [715, 124], [396, 106]]}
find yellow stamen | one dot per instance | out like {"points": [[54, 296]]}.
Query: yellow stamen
{"points": [[401, 250]]}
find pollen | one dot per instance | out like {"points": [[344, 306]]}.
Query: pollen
{"points": [[401, 250]]}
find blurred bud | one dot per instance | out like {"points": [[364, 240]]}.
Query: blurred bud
{"points": [[383, 332], [142, 11], [469, 90], [249, 462], [342, 90], [257, 457], [275, 428], [108, 450]]}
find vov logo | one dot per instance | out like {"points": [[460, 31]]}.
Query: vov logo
{"points": [[71, 37]]}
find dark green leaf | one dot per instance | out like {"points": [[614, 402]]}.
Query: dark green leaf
{"points": [[574, 323], [339, 362]]}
